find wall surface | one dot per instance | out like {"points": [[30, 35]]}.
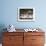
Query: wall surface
{"points": [[8, 13]]}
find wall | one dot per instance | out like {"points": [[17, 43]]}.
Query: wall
{"points": [[9, 13]]}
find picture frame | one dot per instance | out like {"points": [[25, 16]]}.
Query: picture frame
{"points": [[26, 14]]}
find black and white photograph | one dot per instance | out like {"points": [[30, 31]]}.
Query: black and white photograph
{"points": [[26, 14]]}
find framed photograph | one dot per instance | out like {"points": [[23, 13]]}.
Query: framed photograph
{"points": [[26, 14]]}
